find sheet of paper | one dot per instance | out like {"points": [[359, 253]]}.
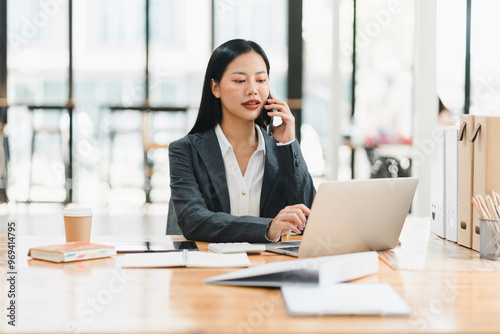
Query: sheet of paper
{"points": [[344, 299], [213, 260], [152, 260]]}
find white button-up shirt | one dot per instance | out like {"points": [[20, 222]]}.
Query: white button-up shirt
{"points": [[244, 190]]}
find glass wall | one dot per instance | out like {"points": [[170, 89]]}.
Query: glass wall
{"points": [[37, 52], [485, 52], [109, 44], [109, 62], [385, 36], [180, 46], [109, 52], [317, 86], [450, 54], [384, 45], [262, 21], [179, 51]]}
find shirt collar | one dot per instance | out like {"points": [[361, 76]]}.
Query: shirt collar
{"points": [[225, 145], [261, 146]]}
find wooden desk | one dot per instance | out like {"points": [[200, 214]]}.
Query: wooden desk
{"points": [[97, 297]]}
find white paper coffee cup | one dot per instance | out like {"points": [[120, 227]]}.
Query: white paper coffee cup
{"points": [[77, 223]]}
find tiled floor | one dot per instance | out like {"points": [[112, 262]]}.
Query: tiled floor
{"points": [[46, 219]]}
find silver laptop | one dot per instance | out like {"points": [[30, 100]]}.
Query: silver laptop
{"points": [[353, 216]]}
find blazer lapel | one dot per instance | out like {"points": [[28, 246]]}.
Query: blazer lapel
{"points": [[209, 150], [270, 169]]}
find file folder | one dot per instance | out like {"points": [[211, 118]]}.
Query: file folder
{"points": [[450, 183], [437, 183], [465, 180], [486, 139]]}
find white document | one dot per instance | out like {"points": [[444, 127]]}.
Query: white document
{"points": [[319, 270], [184, 259], [344, 299]]}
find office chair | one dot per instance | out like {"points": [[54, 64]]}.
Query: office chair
{"points": [[386, 166], [172, 225]]}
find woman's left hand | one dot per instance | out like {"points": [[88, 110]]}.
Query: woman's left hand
{"points": [[285, 132]]}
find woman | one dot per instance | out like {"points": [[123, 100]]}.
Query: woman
{"points": [[230, 181]]}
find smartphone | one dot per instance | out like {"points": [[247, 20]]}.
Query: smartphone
{"points": [[268, 120]]}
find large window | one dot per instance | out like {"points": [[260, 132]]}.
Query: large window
{"points": [[485, 52], [317, 86], [109, 67], [109, 51], [450, 54], [37, 52], [384, 45], [109, 63], [179, 51], [383, 72], [262, 21]]}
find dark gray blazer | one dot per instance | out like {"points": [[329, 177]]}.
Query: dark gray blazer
{"points": [[200, 195]]}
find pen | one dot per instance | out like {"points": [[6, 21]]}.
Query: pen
{"points": [[494, 197], [478, 207], [484, 212], [485, 207], [491, 207]]}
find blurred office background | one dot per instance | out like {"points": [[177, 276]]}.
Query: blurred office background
{"points": [[92, 91]]}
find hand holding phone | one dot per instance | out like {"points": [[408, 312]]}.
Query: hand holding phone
{"points": [[268, 120], [284, 131]]}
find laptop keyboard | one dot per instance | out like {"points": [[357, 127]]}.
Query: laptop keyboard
{"points": [[294, 249]]}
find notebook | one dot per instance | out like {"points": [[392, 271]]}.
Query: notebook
{"points": [[190, 259], [353, 216]]}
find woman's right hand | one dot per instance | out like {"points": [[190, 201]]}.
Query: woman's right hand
{"points": [[291, 219]]}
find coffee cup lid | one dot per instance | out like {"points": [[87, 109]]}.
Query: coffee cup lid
{"points": [[77, 212]]}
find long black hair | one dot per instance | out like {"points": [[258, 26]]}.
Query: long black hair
{"points": [[210, 111]]}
